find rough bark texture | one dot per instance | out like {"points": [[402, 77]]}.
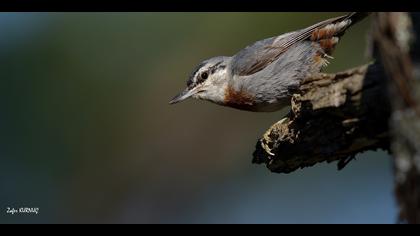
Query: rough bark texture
{"points": [[336, 116], [393, 36], [333, 117]]}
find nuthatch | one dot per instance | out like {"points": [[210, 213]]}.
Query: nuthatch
{"points": [[263, 76]]}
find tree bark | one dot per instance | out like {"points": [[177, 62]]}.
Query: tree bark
{"points": [[394, 35], [336, 116], [333, 117]]}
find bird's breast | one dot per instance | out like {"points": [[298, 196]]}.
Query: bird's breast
{"points": [[238, 98], [245, 100]]}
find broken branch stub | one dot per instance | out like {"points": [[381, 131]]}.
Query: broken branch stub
{"points": [[333, 117]]}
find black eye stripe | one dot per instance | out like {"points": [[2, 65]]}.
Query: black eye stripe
{"points": [[214, 69], [189, 82], [197, 78]]}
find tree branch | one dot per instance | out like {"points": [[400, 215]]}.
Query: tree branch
{"points": [[333, 117], [336, 116]]}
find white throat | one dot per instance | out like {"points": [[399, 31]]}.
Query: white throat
{"points": [[215, 87]]}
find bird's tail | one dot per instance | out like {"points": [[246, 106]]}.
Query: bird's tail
{"points": [[328, 32], [355, 17], [335, 27]]}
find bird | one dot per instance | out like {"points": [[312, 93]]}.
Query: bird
{"points": [[263, 76]]}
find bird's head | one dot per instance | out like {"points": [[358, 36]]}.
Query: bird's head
{"points": [[207, 81]]}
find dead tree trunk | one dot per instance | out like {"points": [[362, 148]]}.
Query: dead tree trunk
{"points": [[393, 35], [336, 116]]}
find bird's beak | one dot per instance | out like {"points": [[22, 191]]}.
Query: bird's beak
{"points": [[183, 95]]}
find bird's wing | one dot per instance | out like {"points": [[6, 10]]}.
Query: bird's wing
{"points": [[259, 55]]}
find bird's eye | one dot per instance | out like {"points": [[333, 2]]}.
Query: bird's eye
{"points": [[204, 75]]}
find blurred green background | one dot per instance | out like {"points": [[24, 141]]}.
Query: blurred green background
{"points": [[87, 134]]}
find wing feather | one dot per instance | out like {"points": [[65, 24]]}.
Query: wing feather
{"points": [[259, 55]]}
